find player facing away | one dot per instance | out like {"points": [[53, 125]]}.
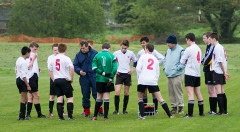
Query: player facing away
{"points": [[21, 70], [33, 75], [148, 74], [144, 41], [105, 66], [207, 69], [123, 76], [52, 89], [220, 75], [192, 59], [62, 71]]}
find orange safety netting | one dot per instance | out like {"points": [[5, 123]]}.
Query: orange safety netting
{"points": [[24, 38]]}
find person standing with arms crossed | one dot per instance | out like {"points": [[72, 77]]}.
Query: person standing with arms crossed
{"points": [[33, 75], [124, 58], [148, 74], [207, 69], [83, 67], [220, 75], [192, 59], [144, 41], [174, 70], [105, 66], [62, 72], [22, 81]]}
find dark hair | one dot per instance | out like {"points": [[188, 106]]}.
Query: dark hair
{"points": [[55, 45], [106, 46], [207, 34], [25, 50], [125, 43], [62, 48], [150, 47], [33, 44], [190, 36], [84, 42], [145, 38], [214, 35]]}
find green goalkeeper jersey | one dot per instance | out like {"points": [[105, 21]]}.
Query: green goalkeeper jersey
{"points": [[104, 62]]}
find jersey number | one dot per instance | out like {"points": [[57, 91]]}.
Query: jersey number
{"points": [[198, 57], [58, 64], [151, 62]]}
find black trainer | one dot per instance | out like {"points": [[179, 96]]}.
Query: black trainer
{"points": [[125, 112], [42, 116]]}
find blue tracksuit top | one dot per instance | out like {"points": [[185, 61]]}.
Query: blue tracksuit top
{"points": [[83, 61], [172, 66]]}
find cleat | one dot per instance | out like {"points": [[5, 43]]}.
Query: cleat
{"points": [[125, 112], [71, 118], [64, 114], [85, 115], [156, 111], [142, 118], [42, 116], [28, 117], [171, 117], [21, 119], [180, 112], [50, 115], [94, 118], [210, 112], [100, 114], [188, 116], [225, 113], [61, 119], [106, 119], [173, 111], [115, 112], [202, 114]]}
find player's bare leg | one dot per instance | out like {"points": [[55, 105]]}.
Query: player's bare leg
{"points": [[200, 100]]}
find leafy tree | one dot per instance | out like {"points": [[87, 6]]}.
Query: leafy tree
{"points": [[60, 18]]}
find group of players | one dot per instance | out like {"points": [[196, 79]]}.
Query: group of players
{"points": [[98, 71]]}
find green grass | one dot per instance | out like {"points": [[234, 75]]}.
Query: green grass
{"points": [[9, 103]]}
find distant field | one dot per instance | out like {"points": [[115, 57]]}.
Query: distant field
{"points": [[9, 103]]}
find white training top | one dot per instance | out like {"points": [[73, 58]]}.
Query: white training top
{"points": [[34, 68], [219, 55], [50, 58], [148, 70], [158, 55], [21, 68], [60, 65], [124, 60], [192, 59]]}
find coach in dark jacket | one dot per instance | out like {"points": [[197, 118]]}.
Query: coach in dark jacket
{"points": [[83, 67]]}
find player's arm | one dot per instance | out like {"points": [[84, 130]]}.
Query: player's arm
{"points": [[50, 70], [134, 59], [184, 58], [139, 66], [114, 68], [181, 66], [95, 66], [76, 64], [159, 56], [208, 58], [23, 75], [71, 69], [32, 61]]}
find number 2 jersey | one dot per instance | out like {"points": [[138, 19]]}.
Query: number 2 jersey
{"points": [[60, 65], [148, 70], [192, 59]]}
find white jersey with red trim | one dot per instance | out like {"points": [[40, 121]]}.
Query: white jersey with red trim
{"points": [[219, 55], [21, 68], [50, 58], [158, 55], [124, 60], [148, 70], [34, 68], [60, 65], [192, 59]]}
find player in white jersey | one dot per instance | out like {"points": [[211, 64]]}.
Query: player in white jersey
{"points": [[33, 75], [123, 76], [148, 74], [21, 70], [62, 71], [144, 41], [220, 75], [192, 59]]}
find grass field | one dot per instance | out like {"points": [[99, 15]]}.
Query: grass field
{"points": [[9, 103]]}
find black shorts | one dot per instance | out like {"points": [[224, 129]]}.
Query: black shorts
{"points": [[103, 87], [33, 82], [151, 89], [208, 78], [63, 87], [52, 89], [192, 81], [218, 79], [22, 87], [123, 78]]}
